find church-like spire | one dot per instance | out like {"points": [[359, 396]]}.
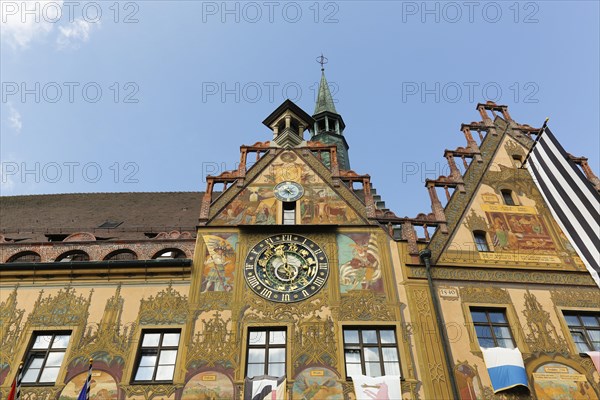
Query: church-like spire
{"points": [[324, 98], [329, 126]]}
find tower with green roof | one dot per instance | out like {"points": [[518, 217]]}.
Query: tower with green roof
{"points": [[329, 125]]}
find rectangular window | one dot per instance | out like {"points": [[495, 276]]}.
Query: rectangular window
{"points": [[507, 197], [492, 328], [585, 330], [266, 352], [45, 357], [481, 241], [289, 213], [371, 352], [156, 356]]}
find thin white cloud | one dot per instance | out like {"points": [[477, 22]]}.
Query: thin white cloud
{"points": [[14, 119], [23, 22], [7, 174], [74, 34]]}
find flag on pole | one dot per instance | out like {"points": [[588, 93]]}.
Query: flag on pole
{"points": [[85, 390], [573, 201], [15, 389]]}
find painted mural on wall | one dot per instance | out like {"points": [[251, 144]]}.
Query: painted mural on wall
{"points": [[208, 386], [556, 381], [103, 387], [219, 262], [359, 262], [468, 382], [257, 205], [317, 384], [321, 205], [518, 231]]}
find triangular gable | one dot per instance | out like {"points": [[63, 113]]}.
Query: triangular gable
{"points": [[523, 234], [255, 204]]}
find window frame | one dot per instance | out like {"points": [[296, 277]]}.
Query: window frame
{"points": [[288, 208], [484, 235], [361, 346], [581, 328], [490, 324], [508, 193], [267, 330], [30, 354], [158, 349]]}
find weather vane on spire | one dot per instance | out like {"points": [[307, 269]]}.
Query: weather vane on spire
{"points": [[322, 60]]}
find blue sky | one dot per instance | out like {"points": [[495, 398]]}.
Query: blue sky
{"points": [[183, 84]]}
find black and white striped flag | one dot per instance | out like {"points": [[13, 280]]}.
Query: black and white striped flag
{"points": [[574, 202], [85, 390]]}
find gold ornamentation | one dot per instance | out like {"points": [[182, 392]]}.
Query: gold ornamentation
{"points": [[40, 393], [261, 310], [151, 391], [542, 335], [493, 295], [475, 222], [167, 307], [214, 345], [63, 309], [215, 300], [315, 343], [436, 372], [482, 274], [108, 337], [10, 328], [365, 305], [584, 298]]}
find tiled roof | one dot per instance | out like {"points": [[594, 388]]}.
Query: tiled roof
{"points": [[34, 216]]}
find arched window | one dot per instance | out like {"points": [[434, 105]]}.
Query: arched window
{"points": [[481, 241], [25, 256], [121, 255], [74, 255], [169, 253]]}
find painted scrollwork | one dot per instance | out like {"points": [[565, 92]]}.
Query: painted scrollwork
{"points": [[149, 392], [10, 323], [542, 336], [315, 343], [365, 305], [472, 294], [109, 336], [214, 345], [167, 307], [63, 309], [585, 298]]}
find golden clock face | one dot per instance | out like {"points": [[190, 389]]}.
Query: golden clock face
{"points": [[286, 268]]}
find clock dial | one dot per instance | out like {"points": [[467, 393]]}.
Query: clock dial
{"points": [[288, 191], [286, 268]]}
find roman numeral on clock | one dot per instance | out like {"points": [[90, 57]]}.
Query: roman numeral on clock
{"points": [[285, 297], [286, 237], [319, 281], [266, 293], [252, 281]]}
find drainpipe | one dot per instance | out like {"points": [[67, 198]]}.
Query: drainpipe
{"points": [[425, 256]]}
